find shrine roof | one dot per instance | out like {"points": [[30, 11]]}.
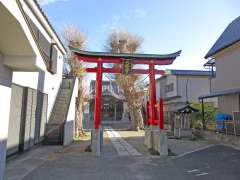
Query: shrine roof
{"points": [[130, 56]]}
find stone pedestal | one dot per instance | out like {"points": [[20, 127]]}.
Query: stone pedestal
{"points": [[96, 141], [148, 136], [160, 142], [157, 140], [183, 132]]}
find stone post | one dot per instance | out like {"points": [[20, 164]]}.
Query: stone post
{"points": [[96, 141], [156, 139]]}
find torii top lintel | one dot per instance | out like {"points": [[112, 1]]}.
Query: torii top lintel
{"points": [[106, 57]]}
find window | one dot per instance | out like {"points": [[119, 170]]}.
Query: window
{"points": [[169, 87], [54, 59], [105, 88]]}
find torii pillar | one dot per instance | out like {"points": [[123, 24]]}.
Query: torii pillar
{"points": [[155, 135], [97, 132], [152, 93]]}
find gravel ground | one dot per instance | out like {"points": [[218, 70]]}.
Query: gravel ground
{"points": [[136, 139], [177, 146]]}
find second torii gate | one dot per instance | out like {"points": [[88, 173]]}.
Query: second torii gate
{"points": [[127, 60]]}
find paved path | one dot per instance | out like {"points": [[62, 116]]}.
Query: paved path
{"points": [[214, 163], [122, 147], [20, 166]]}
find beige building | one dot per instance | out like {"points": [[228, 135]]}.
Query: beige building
{"points": [[225, 57]]}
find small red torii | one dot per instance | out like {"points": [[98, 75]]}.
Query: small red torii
{"points": [[148, 59]]}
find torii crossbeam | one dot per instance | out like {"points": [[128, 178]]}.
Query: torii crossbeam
{"points": [[148, 59]]}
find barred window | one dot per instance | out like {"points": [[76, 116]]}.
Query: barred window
{"points": [[169, 87]]}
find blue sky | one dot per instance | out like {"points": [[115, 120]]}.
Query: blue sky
{"points": [[165, 25]]}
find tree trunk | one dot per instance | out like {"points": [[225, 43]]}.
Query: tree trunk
{"points": [[140, 119], [79, 109], [80, 120], [134, 123], [136, 118], [135, 112]]}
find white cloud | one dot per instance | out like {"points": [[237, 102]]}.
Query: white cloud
{"points": [[116, 20], [46, 2], [112, 24], [139, 13]]}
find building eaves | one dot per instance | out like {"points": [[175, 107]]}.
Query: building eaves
{"points": [[48, 22], [220, 93]]}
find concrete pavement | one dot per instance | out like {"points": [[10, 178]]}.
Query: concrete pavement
{"points": [[72, 163], [18, 167], [217, 162]]}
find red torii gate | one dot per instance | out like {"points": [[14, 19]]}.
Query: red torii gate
{"points": [[148, 59]]}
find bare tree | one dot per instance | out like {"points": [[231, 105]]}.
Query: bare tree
{"points": [[76, 39], [120, 41]]}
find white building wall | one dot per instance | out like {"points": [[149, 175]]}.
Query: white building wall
{"points": [[5, 73], [160, 87], [69, 124], [169, 80], [43, 81], [158, 91], [196, 86], [5, 97], [71, 111]]}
